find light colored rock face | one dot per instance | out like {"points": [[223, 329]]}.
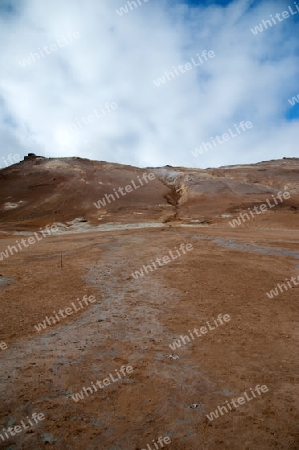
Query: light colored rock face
{"points": [[8, 205], [56, 164]]}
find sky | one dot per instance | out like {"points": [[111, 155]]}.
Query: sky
{"points": [[148, 84]]}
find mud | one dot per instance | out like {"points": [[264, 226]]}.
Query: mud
{"points": [[133, 322]]}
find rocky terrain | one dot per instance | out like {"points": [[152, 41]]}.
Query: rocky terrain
{"points": [[98, 249]]}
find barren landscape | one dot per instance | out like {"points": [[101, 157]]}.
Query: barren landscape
{"points": [[148, 387]]}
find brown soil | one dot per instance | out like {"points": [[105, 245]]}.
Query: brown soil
{"points": [[133, 322]]}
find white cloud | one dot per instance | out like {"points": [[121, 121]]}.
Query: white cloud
{"points": [[117, 58]]}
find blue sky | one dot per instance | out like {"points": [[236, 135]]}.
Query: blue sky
{"points": [[292, 112], [207, 2], [118, 58]]}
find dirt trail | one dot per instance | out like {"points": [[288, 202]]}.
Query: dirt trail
{"points": [[169, 392]]}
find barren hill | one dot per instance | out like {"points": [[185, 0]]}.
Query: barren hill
{"points": [[39, 190]]}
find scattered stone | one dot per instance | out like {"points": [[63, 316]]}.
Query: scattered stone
{"points": [[172, 356], [198, 406]]}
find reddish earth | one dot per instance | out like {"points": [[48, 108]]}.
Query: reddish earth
{"points": [[229, 271]]}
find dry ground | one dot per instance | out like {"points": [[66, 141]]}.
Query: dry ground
{"points": [[133, 323]]}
